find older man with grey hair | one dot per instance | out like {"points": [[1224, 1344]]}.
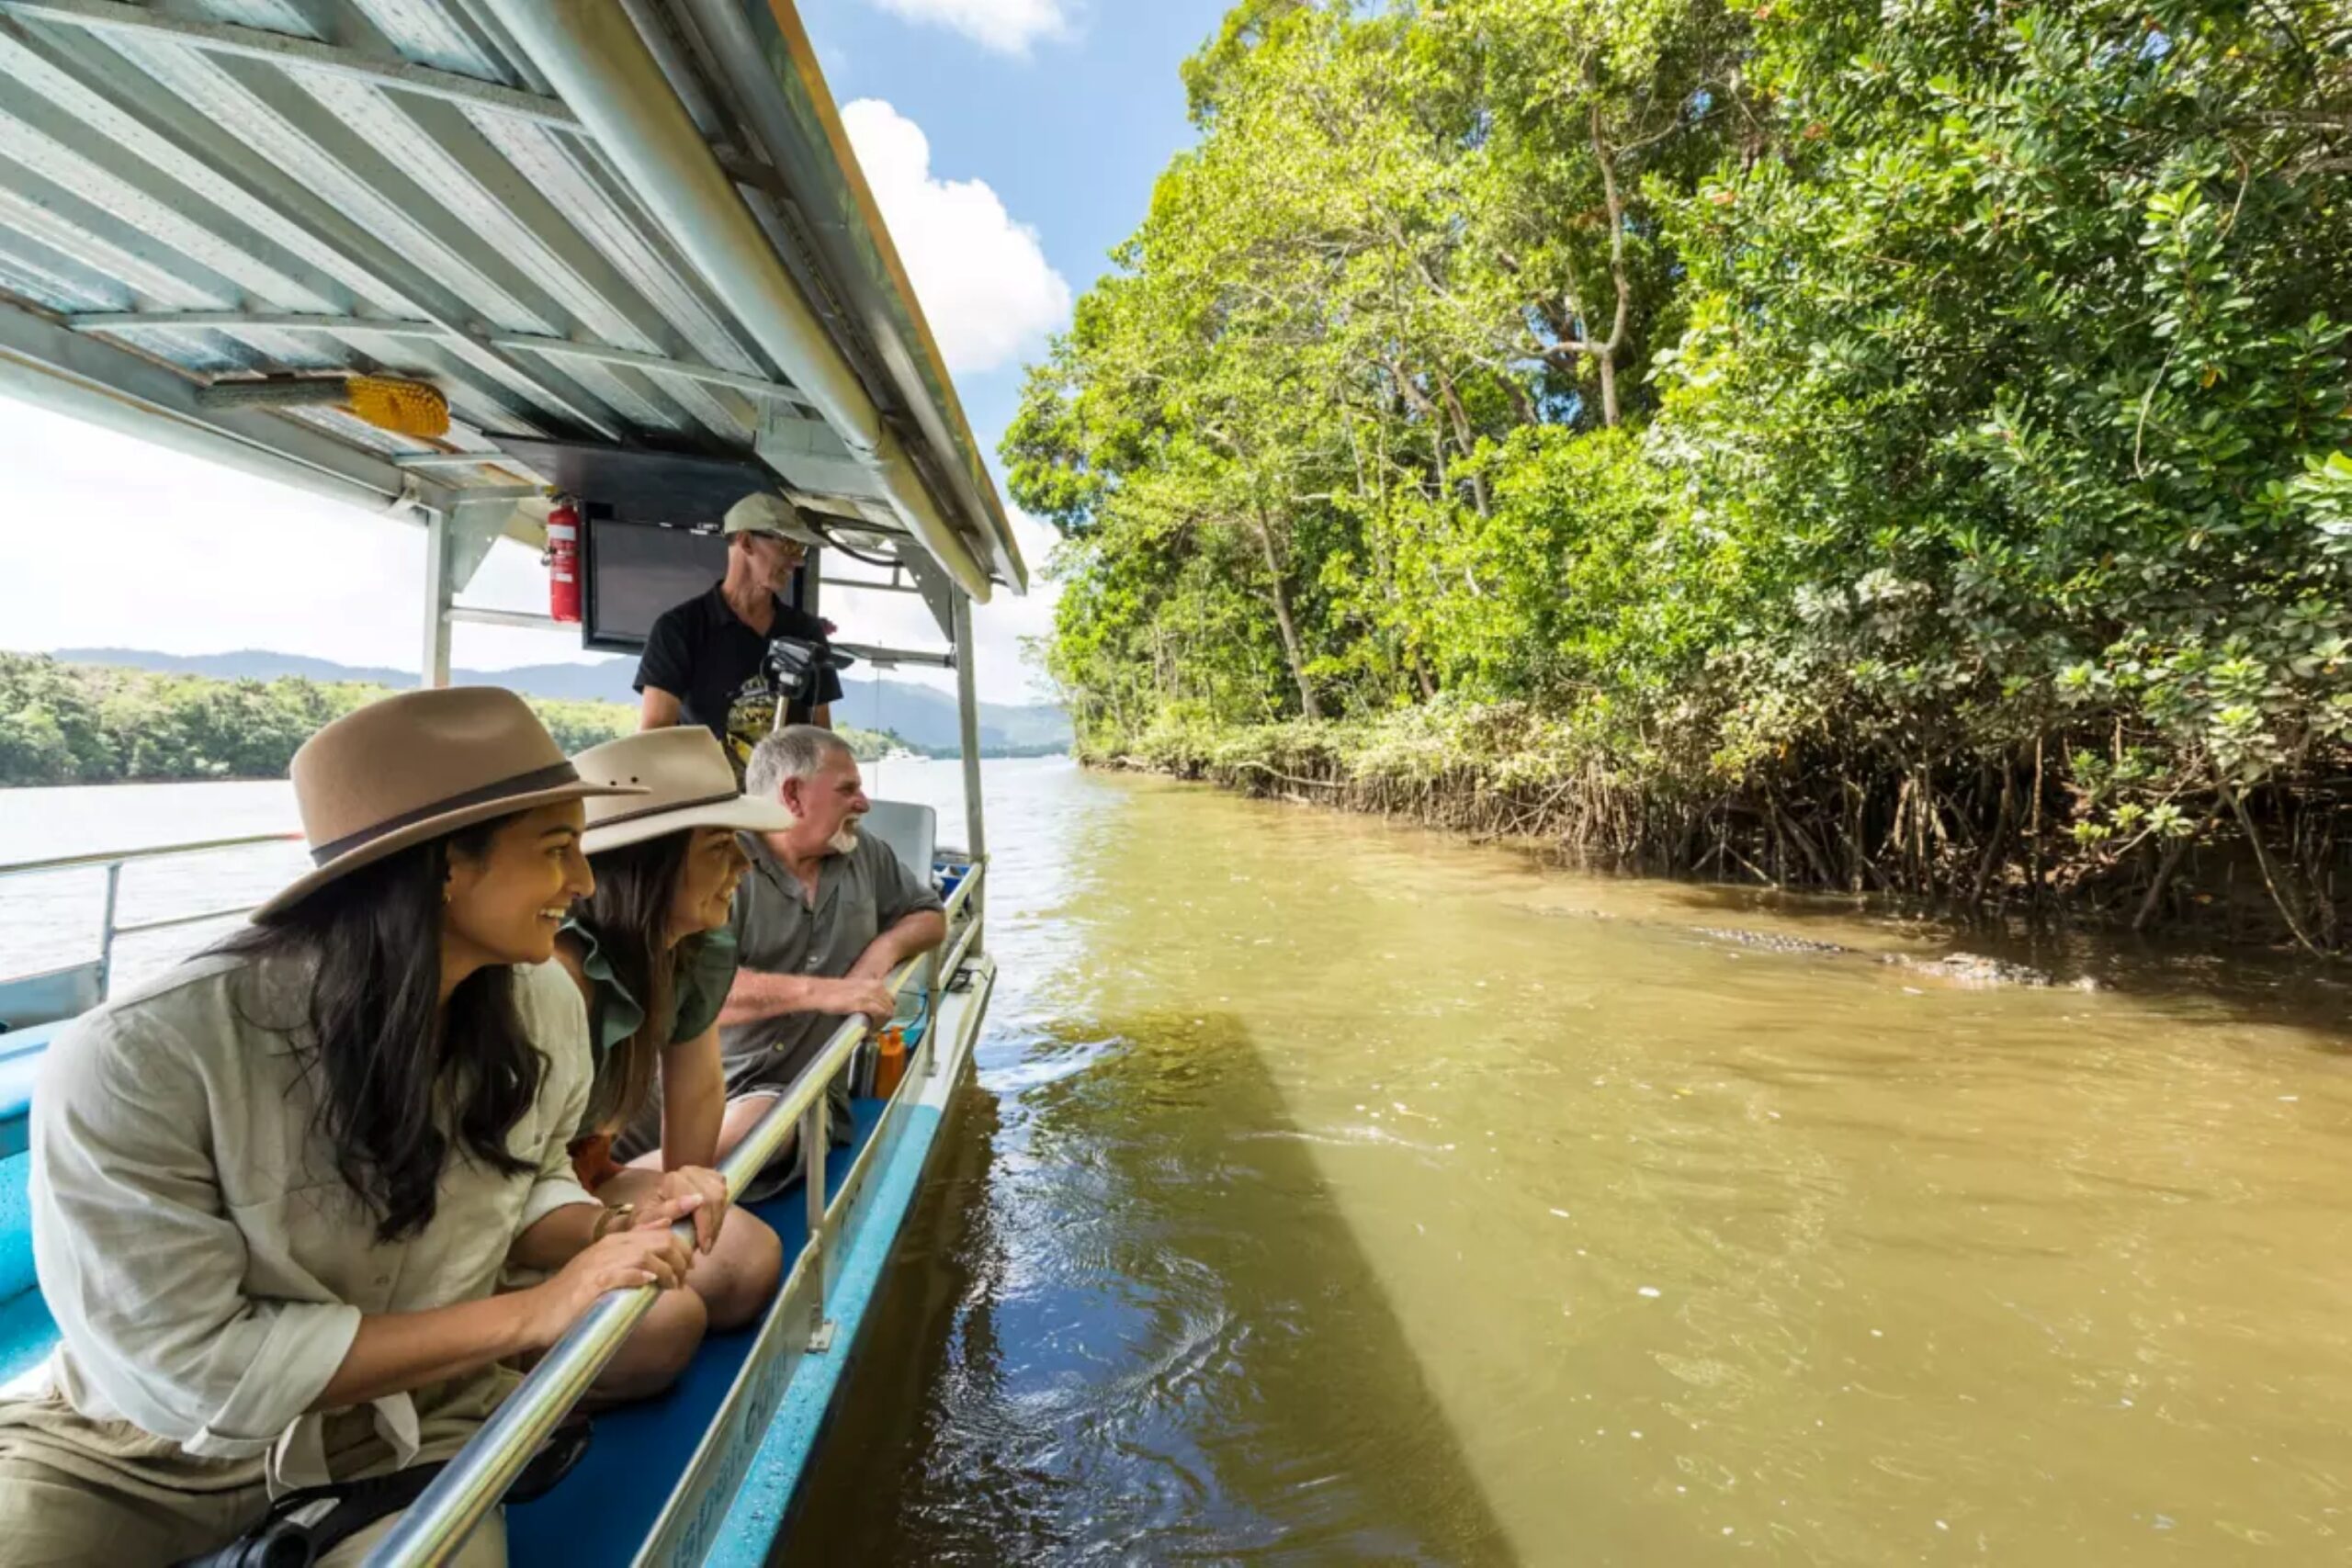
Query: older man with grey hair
{"points": [[821, 919]]}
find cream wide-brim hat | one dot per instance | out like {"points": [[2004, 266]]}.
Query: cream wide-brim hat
{"points": [[416, 766], [680, 779]]}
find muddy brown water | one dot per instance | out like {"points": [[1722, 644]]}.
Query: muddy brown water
{"points": [[1337, 1191], [1334, 1190]]}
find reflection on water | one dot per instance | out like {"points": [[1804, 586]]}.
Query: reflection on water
{"points": [[1334, 1190], [1348, 1192]]}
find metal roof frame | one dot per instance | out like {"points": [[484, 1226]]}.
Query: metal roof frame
{"points": [[634, 222]]}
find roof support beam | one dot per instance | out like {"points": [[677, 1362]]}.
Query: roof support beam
{"points": [[595, 59], [561, 348], [815, 197], [286, 50], [388, 273], [885, 658], [45, 364]]}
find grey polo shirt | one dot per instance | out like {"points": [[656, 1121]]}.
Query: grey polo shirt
{"points": [[778, 932]]}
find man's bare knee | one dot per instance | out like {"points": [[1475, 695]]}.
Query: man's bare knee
{"points": [[742, 1115], [740, 1275]]}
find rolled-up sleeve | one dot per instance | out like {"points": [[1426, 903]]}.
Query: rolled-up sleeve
{"points": [[557, 1187], [142, 1265]]}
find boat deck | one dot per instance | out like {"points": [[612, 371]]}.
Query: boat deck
{"points": [[706, 1471], [612, 1501]]}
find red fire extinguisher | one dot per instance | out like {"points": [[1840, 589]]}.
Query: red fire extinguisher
{"points": [[563, 563]]}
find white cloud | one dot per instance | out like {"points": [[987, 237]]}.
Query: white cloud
{"points": [[1009, 27], [985, 284]]}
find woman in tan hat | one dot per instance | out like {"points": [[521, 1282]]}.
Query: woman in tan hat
{"points": [[275, 1193], [652, 954]]}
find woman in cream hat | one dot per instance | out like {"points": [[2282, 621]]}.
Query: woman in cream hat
{"points": [[652, 954], [274, 1193]]}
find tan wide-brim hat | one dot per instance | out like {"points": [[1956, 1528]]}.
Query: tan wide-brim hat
{"points": [[687, 782], [760, 513], [416, 766]]}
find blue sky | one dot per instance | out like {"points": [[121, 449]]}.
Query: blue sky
{"points": [[1011, 144], [1070, 133]]}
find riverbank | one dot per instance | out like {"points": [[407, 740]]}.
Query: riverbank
{"points": [[2021, 833], [80, 724], [1915, 464]]}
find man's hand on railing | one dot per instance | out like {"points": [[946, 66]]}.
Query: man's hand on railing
{"points": [[706, 1189], [649, 1255], [852, 995]]}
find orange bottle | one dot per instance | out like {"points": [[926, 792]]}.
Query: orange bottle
{"points": [[889, 1062]]}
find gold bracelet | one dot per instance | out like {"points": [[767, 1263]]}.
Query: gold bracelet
{"points": [[615, 1216]]}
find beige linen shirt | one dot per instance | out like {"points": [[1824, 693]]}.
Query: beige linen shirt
{"points": [[206, 1266]]}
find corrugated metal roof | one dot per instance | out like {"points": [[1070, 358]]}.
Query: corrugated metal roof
{"points": [[235, 189]]}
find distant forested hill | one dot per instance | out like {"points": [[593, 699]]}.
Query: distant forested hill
{"points": [[64, 724], [924, 717]]}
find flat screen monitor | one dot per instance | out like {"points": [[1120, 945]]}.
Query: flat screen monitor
{"points": [[636, 570]]}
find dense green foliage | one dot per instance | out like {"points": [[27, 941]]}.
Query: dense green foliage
{"points": [[1895, 445], [64, 724]]}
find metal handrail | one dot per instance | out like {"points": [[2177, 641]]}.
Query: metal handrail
{"points": [[438, 1523], [155, 851], [113, 860]]}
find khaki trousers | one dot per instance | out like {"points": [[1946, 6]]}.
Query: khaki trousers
{"points": [[77, 1492]]}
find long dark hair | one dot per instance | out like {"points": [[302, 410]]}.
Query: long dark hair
{"points": [[396, 1078], [637, 888]]}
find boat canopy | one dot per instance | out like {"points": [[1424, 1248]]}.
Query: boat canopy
{"points": [[625, 242]]}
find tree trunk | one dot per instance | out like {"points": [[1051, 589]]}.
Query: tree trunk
{"points": [[1464, 438], [1280, 597], [1420, 403], [1623, 319]]}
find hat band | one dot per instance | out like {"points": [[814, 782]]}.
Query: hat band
{"points": [[643, 812], [532, 783]]}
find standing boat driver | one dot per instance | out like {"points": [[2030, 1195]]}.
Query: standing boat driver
{"points": [[824, 916], [275, 1193], [739, 660]]}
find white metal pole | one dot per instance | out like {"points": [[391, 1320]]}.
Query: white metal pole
{"points": [[438, 593], [968, 716]]}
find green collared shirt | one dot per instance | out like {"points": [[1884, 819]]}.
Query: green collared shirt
{"points": [[615, 1015]]}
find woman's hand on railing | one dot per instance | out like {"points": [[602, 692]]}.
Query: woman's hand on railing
{"points": [[625, 1260], [705, 1190]]}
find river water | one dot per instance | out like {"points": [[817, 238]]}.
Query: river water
{"points": [[1334, 1190]]}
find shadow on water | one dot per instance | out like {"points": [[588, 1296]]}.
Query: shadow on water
{"points": [[1128, 1323]]}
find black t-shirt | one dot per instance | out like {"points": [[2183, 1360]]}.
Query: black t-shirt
{"points": [[717, 669]]}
